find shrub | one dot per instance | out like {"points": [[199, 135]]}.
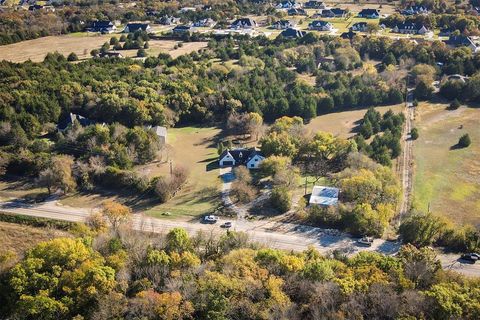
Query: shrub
{"points": [[414, 134], [464, 141], [281, 199], [141, 53], [72, 57], [455, 104]]}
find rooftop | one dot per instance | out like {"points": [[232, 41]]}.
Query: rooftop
{"points": [[325, 196]]}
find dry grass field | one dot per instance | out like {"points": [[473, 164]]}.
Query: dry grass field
{"points": [[343, 124], [446, 177], [195, 149], [19, 238], [82, 44]]}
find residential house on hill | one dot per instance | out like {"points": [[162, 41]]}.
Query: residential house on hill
{"points": [[359, 26], [204, 23], [110, 54], [251, 158], [462, 41], [369, 13], [320, 25], [283, 24], [182, 29], [332, 13], [244, 23], [348, 35], [286, 5], [168, 20], [312, 4], [103, 26], [70, 119], [296, 12], [133, 27], [413, 10], [292, 33], [324, 196], [410, 28]]}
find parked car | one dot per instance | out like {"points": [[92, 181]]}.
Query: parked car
{"points": [[210, 219], [472, 257], [227, 225], [366, 241]]}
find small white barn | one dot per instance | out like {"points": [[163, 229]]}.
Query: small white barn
{"points": [[161, 133], [324, 196]]}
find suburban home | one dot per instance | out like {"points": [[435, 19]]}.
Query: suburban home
{"points": [[332, 13], [251, 158], [161, 133], [168, 20], [283, 24], [312, 4], [324, 196], [182, 29], [359, 26], [292, 33], [188, 9], [369, 13], [410, 28], [348, 35], [320, 25], [102, 27], [68, 121], [133, 27], [413, 10], [286, 5], [205, 23], [243, 23], [110, 54], [296, 12], [462, 41], [445, 32]]}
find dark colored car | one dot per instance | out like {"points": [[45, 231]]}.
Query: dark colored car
{"points": [[472, 257], [227, 225]]}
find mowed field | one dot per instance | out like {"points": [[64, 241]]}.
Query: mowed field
{"points": [[343, 123], [195, 149], [82, 44], [446, 177]]}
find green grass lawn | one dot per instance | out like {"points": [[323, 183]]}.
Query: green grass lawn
{"points": [[446, 177]]}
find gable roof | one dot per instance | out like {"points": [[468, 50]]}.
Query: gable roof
{"points": [[102, 24], [241, 155], [319, 23], [313, 4], [292, 33], [71, 118], [325, 196], [460, 40], [410, 26], [369, 12], [182, 28], [338, 11], [244, 22], [296, 11], [132, 27], [348, 35]]}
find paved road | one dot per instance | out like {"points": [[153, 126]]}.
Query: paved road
{"points": [[279, 235]]}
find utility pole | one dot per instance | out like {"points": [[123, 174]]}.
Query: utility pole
{"points": [[171, 168]]}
